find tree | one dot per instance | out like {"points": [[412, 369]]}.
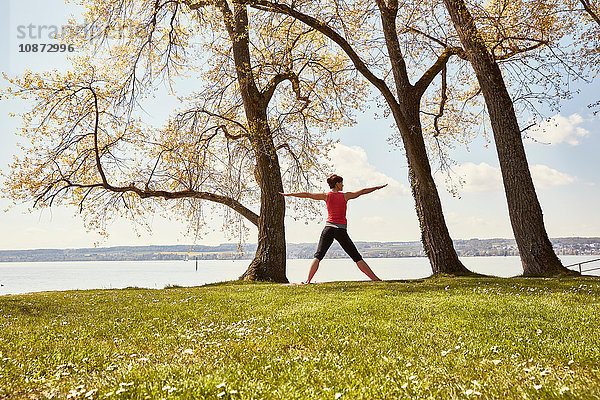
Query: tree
{"points": [[591, 9], [590, 38], [535, 249], [330, 18], [260, 98]]}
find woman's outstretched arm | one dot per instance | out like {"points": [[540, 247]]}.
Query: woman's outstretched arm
{"points": [[353, 195], [314, 196]]}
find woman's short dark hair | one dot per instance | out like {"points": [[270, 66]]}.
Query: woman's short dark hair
{"points": [[333, 180]]}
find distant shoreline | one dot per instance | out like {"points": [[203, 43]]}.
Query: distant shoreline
{"points": [[232, 251]]}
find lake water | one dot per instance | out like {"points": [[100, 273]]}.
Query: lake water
{"points": [[17, 278]]}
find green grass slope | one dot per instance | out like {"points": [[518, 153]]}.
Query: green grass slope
{"points": [[435, 338]]}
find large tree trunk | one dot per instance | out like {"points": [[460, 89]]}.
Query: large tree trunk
{"points": [[537, 256], [434, 232], [270, 259], [269, 262]]}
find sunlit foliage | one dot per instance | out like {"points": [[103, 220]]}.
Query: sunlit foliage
{"points": [[89, 142]]}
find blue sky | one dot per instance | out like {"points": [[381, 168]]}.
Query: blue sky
{"points": [[564, 163]]}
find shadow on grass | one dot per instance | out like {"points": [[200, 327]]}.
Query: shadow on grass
{"points": [[19, 306]]}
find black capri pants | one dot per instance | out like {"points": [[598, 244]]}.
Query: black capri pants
{"points": [[341, 235]]}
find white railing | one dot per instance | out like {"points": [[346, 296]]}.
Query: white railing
{"points": [[584, 262]]}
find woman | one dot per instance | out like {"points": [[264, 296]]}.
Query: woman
{"points": [[335, 227]]}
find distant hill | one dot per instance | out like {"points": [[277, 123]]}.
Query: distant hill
{"points": [[228, 251]]}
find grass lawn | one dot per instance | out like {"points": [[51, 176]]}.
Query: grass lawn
{"points": [[433, 338]]}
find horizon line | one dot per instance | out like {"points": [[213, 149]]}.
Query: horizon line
{"points": [[251, 244]]}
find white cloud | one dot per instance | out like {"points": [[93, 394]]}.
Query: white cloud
{"points": [[467, 221], [371, 221], [545, 177], [352, 163], [560, 129], [479, 178]]}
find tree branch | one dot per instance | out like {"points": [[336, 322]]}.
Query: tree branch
{"points": [[155, 165], [442, 103], [147, 193], [219, 116], [502, 57], [229, 135], [96, 151], [389, 18], [278, 79], [588, 8], [433, 39], [289, 149], [326, 30], [440, 64], [393, 6], [199, 4], [144, 194]]}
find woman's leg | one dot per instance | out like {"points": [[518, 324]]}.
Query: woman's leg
{"points": [[350, 248], [325, 242], [364, 267], [314, 266]]}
